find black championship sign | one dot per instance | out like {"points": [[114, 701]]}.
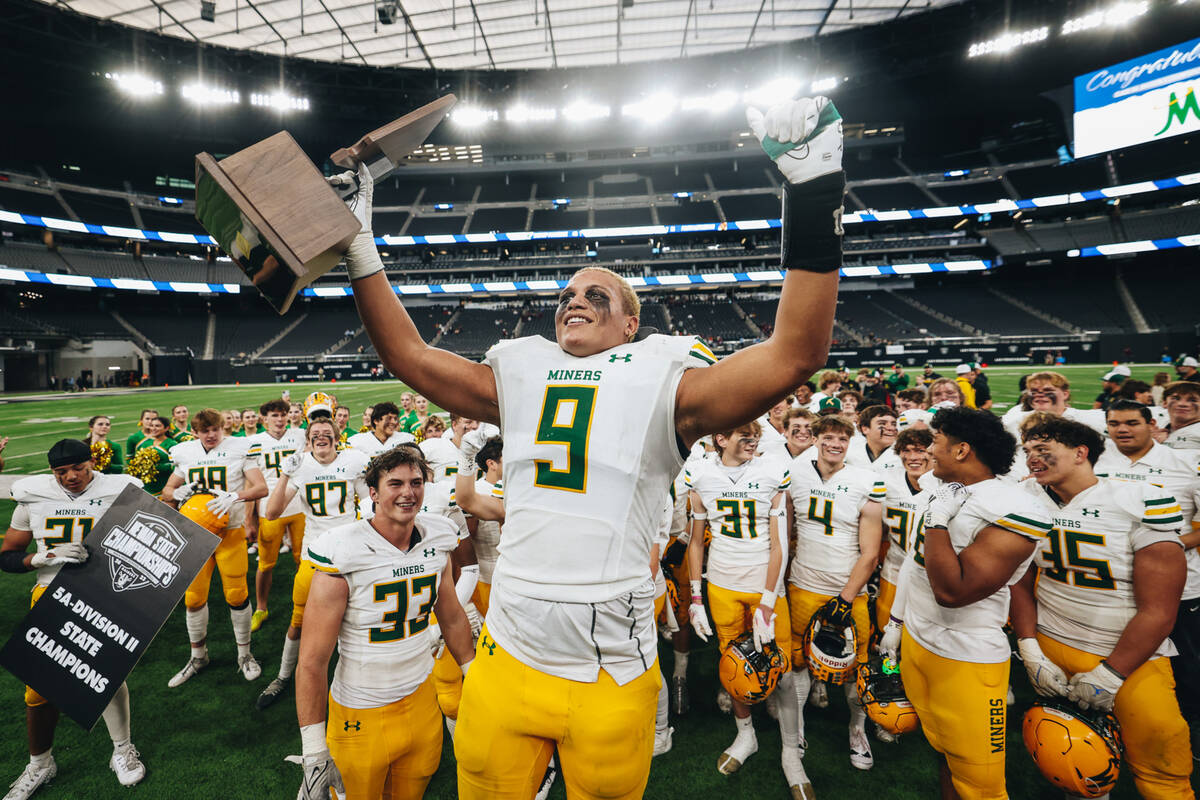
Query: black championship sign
{"points": [[94, 621]]}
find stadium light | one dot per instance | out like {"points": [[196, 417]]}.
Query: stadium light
{"points": [[715, 103], [203, 95], [772, 92], [473, 116], [279, 101], [522, 113], [1119, 14], [1008, 41], [584, 111], [654, 108], [135, 85], [823, 85]]}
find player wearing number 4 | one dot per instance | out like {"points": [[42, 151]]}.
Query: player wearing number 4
{"points": [[586, 471], [1093, 625], [224, 467], [742, 499], [376, 583], [57, 511], [323, 481]]}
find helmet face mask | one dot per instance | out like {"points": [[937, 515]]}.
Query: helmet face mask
{"points": [[195, 508], [1077, 751], [829, 652], [747, 674], [319, 403], [882, 694]]}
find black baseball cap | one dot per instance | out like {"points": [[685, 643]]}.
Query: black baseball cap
{"points": [[66, 452]]}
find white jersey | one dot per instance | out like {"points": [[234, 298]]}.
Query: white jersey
{"points": [[383, 648], [769, 438], [369, 443], [780, 450], [590, 449], [737, 502], [326, 492], [487, 533], [439, 499], [859, 455], [662, 538], [973, 633], [270, 453], [1185, 438], [1175, 472], [221, 469], [826, 519], [1085, 594], [442, 456], [903, 516], [1094, 418], [56, 517]]}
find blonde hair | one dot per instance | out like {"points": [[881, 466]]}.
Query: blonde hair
{"points": [[1055, 379], [629, 299]]}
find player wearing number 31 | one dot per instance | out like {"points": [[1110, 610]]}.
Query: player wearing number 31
{"points": [[586, 470], [1093, 626]]}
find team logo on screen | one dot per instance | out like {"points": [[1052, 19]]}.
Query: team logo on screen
{"points": [[144, 552]]}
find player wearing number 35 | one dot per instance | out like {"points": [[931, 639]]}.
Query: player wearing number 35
{"points": [[595, 426]]}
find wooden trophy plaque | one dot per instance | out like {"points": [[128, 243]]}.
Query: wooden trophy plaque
{"points": [[269, 208]]}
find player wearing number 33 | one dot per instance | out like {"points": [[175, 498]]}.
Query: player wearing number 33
{"points": [[596, 424], [376, 583], [1093, 625]]}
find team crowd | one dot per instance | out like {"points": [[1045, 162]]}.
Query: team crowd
{"points": [[505, 574]]}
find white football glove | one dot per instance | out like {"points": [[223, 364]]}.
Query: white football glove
{"points": [[700, 623], [803, 137], [945, 504], [360, 200], [1047, 678], [473, 442], [321, 777], [889, 643], [763, 625], [1095, 689], [70, 553], [223, 503], [474, 618], [291, 464], [182, 493]]}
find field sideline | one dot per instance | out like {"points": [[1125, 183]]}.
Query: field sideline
{"points": [[206, 739]]}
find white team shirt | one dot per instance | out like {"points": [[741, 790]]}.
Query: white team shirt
{"points": [[439, 499], [973, 633], [325, 492], [1085, 594], [826, 520], [1185, 438], [589, 450], [737, 501], [221, 469], [1175, 472], [1094, 418], [780, 450], [442, 456], [903, 516], [270, 453], [487, 533], [56, 517], [769, 438], [858, 455], [383, 650], [369, 443]]}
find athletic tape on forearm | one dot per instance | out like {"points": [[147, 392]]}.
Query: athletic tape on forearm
{"points": [[312, 739], [465, 586], [812, 223], [362, 259], [466, 465]]}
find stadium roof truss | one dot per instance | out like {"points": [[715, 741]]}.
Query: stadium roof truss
{"points": [[496, 34]]}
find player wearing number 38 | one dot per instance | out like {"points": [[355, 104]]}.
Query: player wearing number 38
{"points": [[596, 425]]}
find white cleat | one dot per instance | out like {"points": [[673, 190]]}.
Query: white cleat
{"points": [[885, 736], [184, 675], [744, 746], [724, 701], [860, 750], [819, 696], [663, 741], [249, 668], [547, 781], [28, 781], [127, 765], [797, 778]]}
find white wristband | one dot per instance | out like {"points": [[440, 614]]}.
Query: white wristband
{"points": [[699, 515], [465, 587], [312, 739], [465, 666], [695, 588], [467, 466], [362, 259], [768, 599]]}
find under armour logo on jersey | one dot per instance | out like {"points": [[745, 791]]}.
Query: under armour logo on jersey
{"points": [[843, 488], [95, 502], [429, 552], [1153, 471], [615, 357], [489, 644], [751, 485], [357, 725], [1090, 512]]}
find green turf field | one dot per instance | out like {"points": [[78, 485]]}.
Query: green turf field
{"points": [[206, 739]]}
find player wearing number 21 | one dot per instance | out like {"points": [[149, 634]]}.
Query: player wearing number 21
{"points": [[596, 424], [1093, 626]]}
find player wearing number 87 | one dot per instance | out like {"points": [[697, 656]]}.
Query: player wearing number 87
{"points": [[227, 468], [1095, 629], [586, 471], [375, 585]]}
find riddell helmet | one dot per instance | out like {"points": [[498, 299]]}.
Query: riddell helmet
{"points": [[195, 508], [748, 675], [882, 694], [1078, 751], [830, 652], [319, 403]]}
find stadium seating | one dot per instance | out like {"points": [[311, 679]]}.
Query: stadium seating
{"points": [[33, 203], [100, 209], [686, 213], [240, 335], [176, 269], [977, 307], [962, 194], [426, 318], [1073, 177], [476, 329], [620, 187], [33, 257], [621, 217], [654, 315], [538, 320], [713, 320], [82, 323], [167, 221], [750, 206], [321, 329], [887, 196], [680, 178], [545, 219], [436, 224], [488, 220], [563, 183], [170, 330], [744, 174], [505, 189]]}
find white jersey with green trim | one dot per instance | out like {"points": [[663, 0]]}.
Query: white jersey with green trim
{"points": [[859, 455], [369, 443], [56, 517], [326, 492], [826, 519], [589, 449], [222, 469], [270, 453], [1085, 593], [974, 633], [439, 499], [383, 648], [487, 533], [1173, 470], [442, 456], [737, 501], [1185, 438], [903, 516]]}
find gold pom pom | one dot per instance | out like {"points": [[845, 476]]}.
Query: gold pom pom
{"points": [[102, 454]]}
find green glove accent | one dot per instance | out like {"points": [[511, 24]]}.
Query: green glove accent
{"points": [[774, 148]]}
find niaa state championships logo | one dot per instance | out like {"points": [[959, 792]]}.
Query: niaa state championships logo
{"points": [[143, 553]]}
